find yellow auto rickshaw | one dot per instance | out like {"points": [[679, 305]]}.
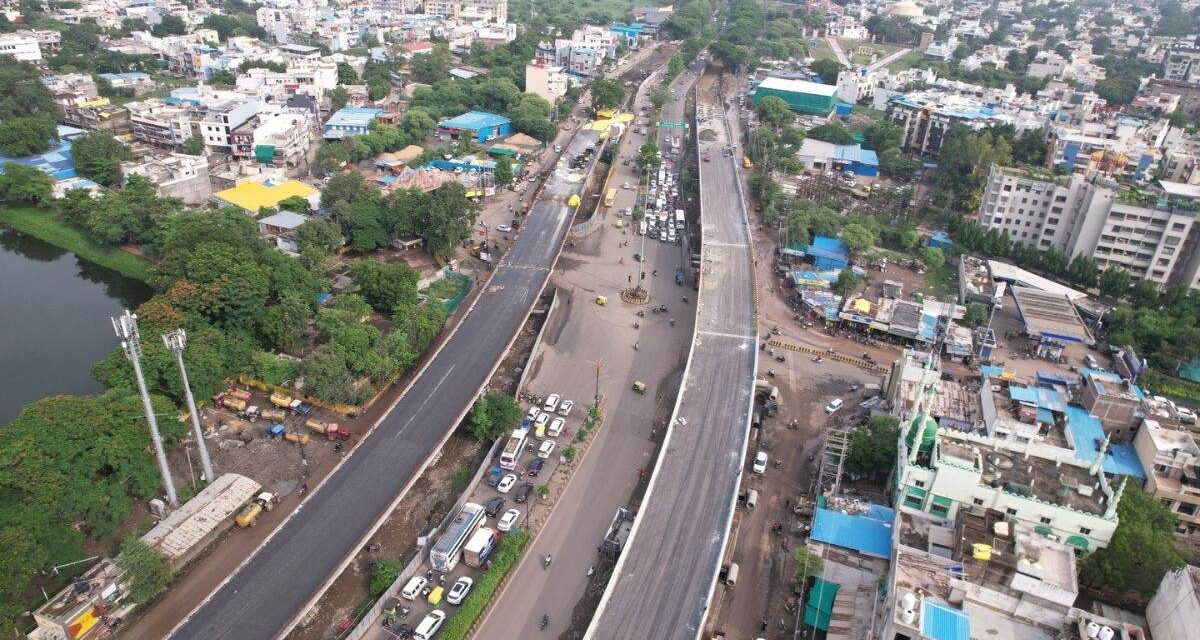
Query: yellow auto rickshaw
{"points": [[435, 596], [639, 387], [601, 300]]}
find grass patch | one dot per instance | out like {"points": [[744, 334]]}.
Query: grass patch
{"points": [[502, 562], [459, 480], [45, 226], [940, 282], [907, 61], [821, 51], [1160, 384]]}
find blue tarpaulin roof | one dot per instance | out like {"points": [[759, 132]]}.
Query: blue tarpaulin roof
{"points": [[989, 371], [1087, 434], [474, 121], [1109, 376], [865, 533], [940, 622], [825, 247], [1022, 394], [1051, 378]]}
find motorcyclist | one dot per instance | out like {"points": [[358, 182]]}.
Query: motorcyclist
{"points": [[548, 559], [545, 620]]}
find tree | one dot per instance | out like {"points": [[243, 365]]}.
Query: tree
{"points": [[1083, 271], [503, 173], [828, 69], [807, 563], [145, 568], [338, 97], [346, 74], [882, 136], [531, 115], [857, 237], [492, 416], [417, 125], [1114, 282], [1142, 548], [1143, 294], [26, 136], [648, 156], [383, 575], [384, 285], [1030, 148], [659, 96], [606, 94], [831, 133], [976, 315], [223, 77], [169, 25], [98, 156], [774, 111], [909, 239], [296, 204], [872, 449], [933, 257], [20, 184], [194, 145], [846, 282]]}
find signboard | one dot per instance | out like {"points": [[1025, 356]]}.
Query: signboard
{"points": [[673, 125]]}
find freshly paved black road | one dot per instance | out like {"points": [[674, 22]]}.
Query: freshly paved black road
{"points": [[663, 582], [266, 594]]}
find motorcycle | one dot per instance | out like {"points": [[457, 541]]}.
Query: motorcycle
{"points": [[546, 561], [780, 358], [545, 621]]}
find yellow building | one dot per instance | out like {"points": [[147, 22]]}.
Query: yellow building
{"points": [[254, 196]]}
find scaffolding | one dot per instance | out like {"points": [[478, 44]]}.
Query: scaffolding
{"points": [[833, 459]]}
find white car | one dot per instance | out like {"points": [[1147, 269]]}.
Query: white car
{"points": [[509, 520], [413, 587], [506, 483], [430, 625], [458, 592], [533, 413], [833, 406], [551, 403], [542, 418], [503, 228], [760, 462], [556, 427], [546, 449], [564, 409]]}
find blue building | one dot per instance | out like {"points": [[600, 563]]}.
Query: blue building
{"points": [[828, 253], [477, 125], [57, 161], [826, 156], [350, 121]]}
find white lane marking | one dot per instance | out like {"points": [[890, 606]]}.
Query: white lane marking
{"points": [[740, 245], [432, 392], [726, 335]]}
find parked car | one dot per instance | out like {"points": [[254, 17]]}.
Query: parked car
{"points": [[541, 419], [833, 406], [430, 625], [503, 228], [546, 450], [535, 467], [506, 483], [413, 587], [551, 403], [509, 520], [533, 412], [760, 462], [523, 492], [459, 590], [564, 409], [493, 506], [556, 427]]}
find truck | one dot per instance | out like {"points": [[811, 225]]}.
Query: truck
{"points": [[331, 430], [282, 401], [232, 403], [240, 394], [274, 415], [264, 501], [300, 438], [479, 548]]}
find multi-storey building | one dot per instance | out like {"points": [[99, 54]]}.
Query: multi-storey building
{"points": [[176, 175], [1123, 147], [924, 120], [216, 121], [98, 115], [1182, 65], [547, 81], [1151, 236], [1172, 462], [155, 122], [283, 137], [22, 47]]}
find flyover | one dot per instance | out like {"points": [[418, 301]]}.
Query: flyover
{"points": [[273, 588], [664, 579]]}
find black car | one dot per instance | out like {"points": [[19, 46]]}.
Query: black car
{"points": [[494, 506], [523, 492], [535, 467]]}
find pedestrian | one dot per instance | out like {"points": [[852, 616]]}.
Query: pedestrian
{"points": [[304, 488]]}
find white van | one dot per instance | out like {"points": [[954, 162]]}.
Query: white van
{"points": [[833, 406], [731, 574], [751, 498], [413, 588], [430, 625]]}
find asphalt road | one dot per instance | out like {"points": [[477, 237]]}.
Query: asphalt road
{"points": [[663, 581], [265, 596]]}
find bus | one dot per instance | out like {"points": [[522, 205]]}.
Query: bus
{"points": [[512, 450], [448, 549], [679, 219], [610, 197]]}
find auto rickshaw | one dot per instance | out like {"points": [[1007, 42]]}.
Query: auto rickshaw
{"points": [[639, 387], [601, 300], [435, 596]]}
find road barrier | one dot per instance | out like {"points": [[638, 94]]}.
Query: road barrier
{"points": [[832, 355]]}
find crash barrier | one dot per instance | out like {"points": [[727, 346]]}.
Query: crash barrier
{"points": [[369, 622], [832, 355], [537, 342], [586, 228]]}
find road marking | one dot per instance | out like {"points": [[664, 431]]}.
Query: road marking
{"points": [[726, 335], [421, 407], [739, 245]]}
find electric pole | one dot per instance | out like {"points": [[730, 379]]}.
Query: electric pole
{"points": [[127, 331], [176, 341]]}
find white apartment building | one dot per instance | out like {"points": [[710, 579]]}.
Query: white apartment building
{"points": [[22, 47], [1182, 65], [1153, 237], [309, 77], [276, 21], [216, 120], [284, 137], [1174, 611], [854, 85], [547, 81], [1172, 462], [1124, 147], [157, 123]]}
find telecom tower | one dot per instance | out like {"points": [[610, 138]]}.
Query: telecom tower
{"points": [[176, 341], [127, 331]]}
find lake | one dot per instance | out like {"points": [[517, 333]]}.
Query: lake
{"points": [[54, 320]]}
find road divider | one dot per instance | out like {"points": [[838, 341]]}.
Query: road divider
{"points": [[832, 355]]}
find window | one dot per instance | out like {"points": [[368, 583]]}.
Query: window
{"points": [[1011, 511], [978, 501], [1187, 509], [1085, 531], [1045, 520], [919, 483], [913, 502]]}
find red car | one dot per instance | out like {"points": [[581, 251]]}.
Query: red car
{"points": [[706, 158]]}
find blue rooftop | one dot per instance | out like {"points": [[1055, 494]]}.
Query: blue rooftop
{"points": [[353, 117], [1087, 434], [826, 247], [940, 622], [474, 121], [868, 533], [58, 161]]}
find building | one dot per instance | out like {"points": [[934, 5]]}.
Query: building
{"points": [[1172, 462], [99, 115], [924, 119], [134, 82], [217, 121], [1174, 611], [350, 121], [1150, 235], [253, 196], [479, 126], [828, 157], [283, 137], [547, 81], [22, 47], [281, 228], [177, 176], [1123, 147], [1182, 65], [801, 96], [188, 530], [82, 610], [157, 123]]}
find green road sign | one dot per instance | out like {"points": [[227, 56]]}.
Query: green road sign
{"points": [[673, 125]]}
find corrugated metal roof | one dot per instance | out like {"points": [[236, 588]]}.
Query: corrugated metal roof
{"points": [[939, 622], [861, 533], [211, 509]]}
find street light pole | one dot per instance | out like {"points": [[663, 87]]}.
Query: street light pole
{"points": [[176, 341], [127, 331]]}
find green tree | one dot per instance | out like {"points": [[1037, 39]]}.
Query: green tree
{"points": [[492, 416], [806, 563], [296, 204], [346, 73], [659, 96], [384, 285], [933, 257], [872, 449], [882, 136], [976, 315], [648, 156], [98, 156], [1143, 294], [194, 145], [606, 94], [1030, 148], [532, 115], [832, 133], [338, 97], [145, 568], [383, 575], [26, 136], [417, 124], [503, 173], [775, 112], [223, 77], [1142, 548], [20, 184], [909, 239], [169, 25], [1114, 282], [24, 95], [857, 237], [828, 69], [846, 282]]}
